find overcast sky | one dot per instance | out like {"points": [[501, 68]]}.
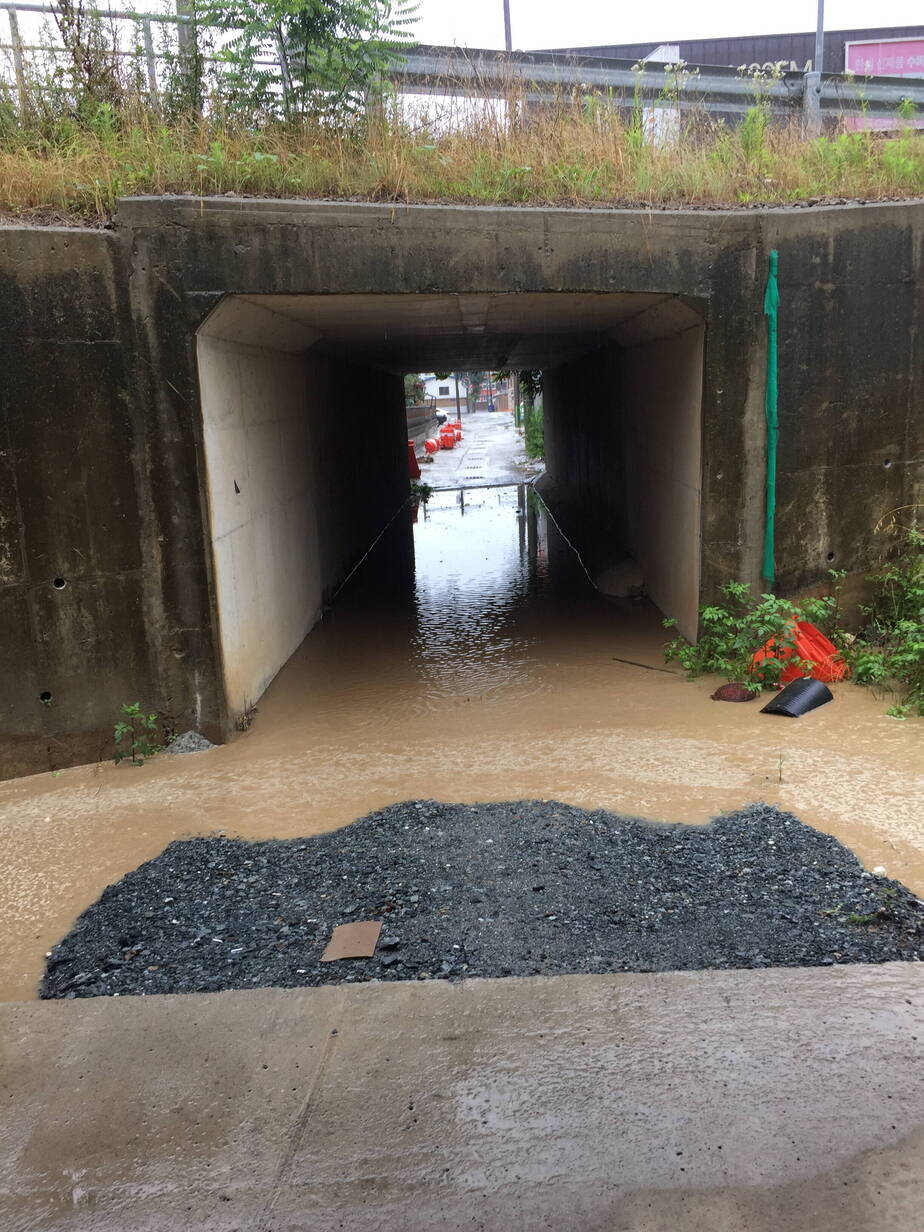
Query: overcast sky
{"points": [[574, 23]]}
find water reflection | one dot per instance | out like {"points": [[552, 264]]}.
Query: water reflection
{"points": [[480, 556], [478, 596]]}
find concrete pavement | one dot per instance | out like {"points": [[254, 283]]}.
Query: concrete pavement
{"points": [[490, 452], [768, 1100]]}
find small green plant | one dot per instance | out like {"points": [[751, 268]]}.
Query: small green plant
{"points": [[889, 650], [730, 633], [420, 491], [135, 735], [534, 433]]}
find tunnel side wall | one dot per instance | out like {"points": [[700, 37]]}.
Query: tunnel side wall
{"points": [[624, 462], [584, 482], [660, 386], [262, 508], [298, 487]]}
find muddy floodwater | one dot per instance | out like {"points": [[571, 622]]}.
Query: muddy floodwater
{"points": [[472, 662]]}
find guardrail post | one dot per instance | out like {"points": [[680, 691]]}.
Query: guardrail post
{"points": [[149, 58], [811, 104], [19, 67]]}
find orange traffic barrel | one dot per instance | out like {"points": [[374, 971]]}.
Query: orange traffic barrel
{"points": [[431, 445]]}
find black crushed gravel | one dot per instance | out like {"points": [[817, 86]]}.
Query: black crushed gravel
{"points": [[487, 890]]}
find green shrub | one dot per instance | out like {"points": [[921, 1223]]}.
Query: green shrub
{"points": [[889, 650], [731, 633], [534, 433]]}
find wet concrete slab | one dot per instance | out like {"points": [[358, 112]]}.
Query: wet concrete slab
{"points": [[778, 1099], [491, 452]]}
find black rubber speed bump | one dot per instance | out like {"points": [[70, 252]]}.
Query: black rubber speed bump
{"points": [[799, 697]]}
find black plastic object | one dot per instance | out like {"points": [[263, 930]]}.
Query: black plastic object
{"points": [[799, 697]]}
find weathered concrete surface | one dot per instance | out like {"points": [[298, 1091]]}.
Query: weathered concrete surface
{"points": [[851, 444], [72, 586], [103, 432], [774, 1101]]}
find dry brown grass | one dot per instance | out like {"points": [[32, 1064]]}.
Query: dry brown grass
{"points": [[563, 155]]}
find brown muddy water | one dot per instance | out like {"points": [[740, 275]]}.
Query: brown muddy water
{"points": [[475, 664]]}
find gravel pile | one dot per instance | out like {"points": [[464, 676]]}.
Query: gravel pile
{"points": [[188, 742], [491, 890]]}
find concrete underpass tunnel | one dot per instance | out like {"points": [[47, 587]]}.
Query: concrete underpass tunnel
{"points": [[305, 441]]}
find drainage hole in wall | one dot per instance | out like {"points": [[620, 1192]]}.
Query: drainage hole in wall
{"points": [[887, 463], [830, 557], [59, 583], [45, 698]]}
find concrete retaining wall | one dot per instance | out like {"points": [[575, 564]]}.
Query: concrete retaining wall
{"points": [[73, 623], [421, 423], [103, 447]]}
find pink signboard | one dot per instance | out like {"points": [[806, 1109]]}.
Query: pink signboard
{"points": [[884, 58]]}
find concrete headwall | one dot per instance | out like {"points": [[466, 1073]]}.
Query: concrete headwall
{"points": [[103, 447], [851, 444], [73, 623]]}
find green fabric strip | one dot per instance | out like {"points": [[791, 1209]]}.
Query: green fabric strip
{"points": [[771, 403]]}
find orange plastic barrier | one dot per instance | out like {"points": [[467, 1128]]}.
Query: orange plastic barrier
{"points": [[413, 466], [811, 644], [431, 445], [448, 439]]}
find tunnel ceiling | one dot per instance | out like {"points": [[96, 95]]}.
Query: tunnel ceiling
{"points": [[422, 333]]}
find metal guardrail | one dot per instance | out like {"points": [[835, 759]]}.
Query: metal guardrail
{"points": [[716, 88], [449, 70], [453, 71]]}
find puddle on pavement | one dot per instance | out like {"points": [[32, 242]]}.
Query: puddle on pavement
{"points": [[471, 662]]}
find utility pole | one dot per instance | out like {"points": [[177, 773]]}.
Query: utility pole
{"points": [[818, 66], [458, 403], [811, 82], [508, 39]]}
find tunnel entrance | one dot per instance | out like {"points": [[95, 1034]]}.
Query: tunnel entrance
{"points": [[305, 442]]}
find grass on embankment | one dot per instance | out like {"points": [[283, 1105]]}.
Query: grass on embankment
{"points": [[562, 157]]}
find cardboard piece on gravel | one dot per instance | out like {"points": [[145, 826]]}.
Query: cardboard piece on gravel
{"points": [[353, 941]]}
